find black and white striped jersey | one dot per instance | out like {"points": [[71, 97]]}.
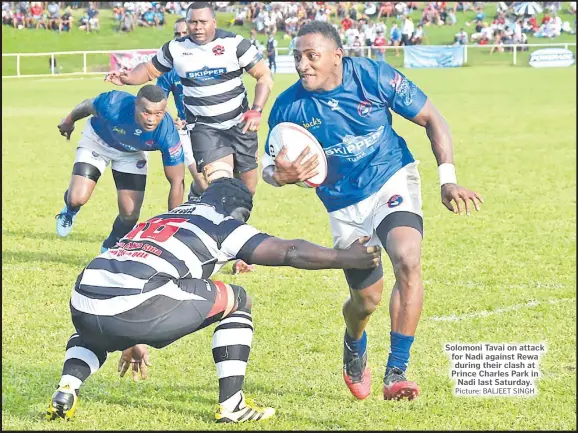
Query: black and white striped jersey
{"points": [[211, 74], [190, 241]]}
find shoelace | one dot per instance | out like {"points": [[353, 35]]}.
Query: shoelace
{"points": [[67, 219], [394, 375], [354, 368]]}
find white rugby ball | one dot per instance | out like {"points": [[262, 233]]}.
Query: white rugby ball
{"points": [[296, 138]]}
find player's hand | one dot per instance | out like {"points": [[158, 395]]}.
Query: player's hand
{"points": [[66, 127], [115, 77], [137, 357], [252, 119], [361, 256], [453, 193], [180, 123], [296, 171]]}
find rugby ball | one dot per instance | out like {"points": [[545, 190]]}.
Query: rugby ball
{"points": [[296, 138]]}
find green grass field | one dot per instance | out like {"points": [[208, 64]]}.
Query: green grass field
{"points": [[507, 273]]}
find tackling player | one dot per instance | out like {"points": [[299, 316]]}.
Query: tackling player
{"points": [[171, 82], [122, 128], [153, 288], [372, 187]]}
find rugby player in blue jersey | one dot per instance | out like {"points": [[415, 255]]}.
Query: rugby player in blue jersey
{"points": [[372, 187], [119, 133], [171, 83]]}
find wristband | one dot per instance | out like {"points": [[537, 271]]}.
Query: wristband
{"points": [[256, 108], [250, 114], [447, 173]]}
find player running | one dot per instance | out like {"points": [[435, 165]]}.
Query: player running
{"points": [[119, 133], [372, 187], [171, 83], [153, 288]]}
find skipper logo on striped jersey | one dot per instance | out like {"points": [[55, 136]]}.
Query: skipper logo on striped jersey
{"points": [[206, 74]]}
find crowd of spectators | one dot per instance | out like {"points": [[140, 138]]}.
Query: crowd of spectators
{"points": [[372, 25], [129, 15], [363, 25], [48, 16]]}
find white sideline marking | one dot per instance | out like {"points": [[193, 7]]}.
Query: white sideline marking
{"points": [[486, 313]]}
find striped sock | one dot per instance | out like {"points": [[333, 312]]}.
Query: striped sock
{"points": [[231, 346], [79, 363]]}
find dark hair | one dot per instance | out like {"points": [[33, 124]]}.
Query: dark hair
{"points": [[181, 20], [229, 196], [325, 29], [152, 93], [201, 5]]}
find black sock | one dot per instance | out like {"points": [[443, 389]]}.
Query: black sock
{"points": [[193, 191], [80, 361], [119, 229], [71, 209]]}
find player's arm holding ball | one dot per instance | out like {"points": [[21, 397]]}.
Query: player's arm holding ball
{"points": [[280, 171]]}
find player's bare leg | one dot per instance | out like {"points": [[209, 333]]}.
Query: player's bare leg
{"points": [[130, 191], [356, 311], [403, 246], [82, 182], [250, 179], [224, 168]]}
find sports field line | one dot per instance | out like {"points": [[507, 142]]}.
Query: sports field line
{"points": [[486, 313]]}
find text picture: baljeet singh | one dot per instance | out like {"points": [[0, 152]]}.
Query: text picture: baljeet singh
{"points": [[495, 369]]}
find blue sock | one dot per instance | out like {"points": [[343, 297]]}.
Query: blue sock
{"points": [[356, 346], [399, 351]]}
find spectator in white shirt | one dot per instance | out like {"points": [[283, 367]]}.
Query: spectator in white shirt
{"points": [[461, 38], [407, 29]]}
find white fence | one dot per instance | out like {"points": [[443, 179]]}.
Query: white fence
{"points": [[85, 67]]}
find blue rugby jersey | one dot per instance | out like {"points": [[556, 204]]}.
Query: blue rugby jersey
{"points": [[171, 82], [115, 124], [353, 124]]}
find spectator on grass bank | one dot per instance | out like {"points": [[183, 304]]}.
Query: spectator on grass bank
{"points": [[407, 29], [418, 35], [66, 19], [53, 15], [395, 38], [498, 42], [461, 38], [378, 46]]}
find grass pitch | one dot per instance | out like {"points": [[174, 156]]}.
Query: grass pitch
{"points": [[507, 274]]}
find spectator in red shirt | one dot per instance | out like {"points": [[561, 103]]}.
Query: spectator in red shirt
{"points": [[546, 18], [346, 23], [379, 43]]}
